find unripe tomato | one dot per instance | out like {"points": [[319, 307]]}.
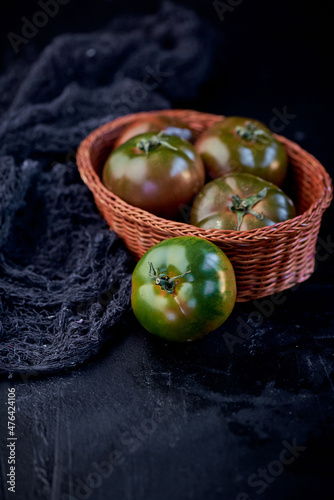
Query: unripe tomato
{"points": [[158, 173], [183, 288], [240, 202], [156, 123], [242, 145]]}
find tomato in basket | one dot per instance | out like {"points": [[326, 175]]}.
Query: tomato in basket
{"points": [[169, 125], [239, 144], [240, 202], [155, 172]]}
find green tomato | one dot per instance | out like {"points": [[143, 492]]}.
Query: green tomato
{"points": [[183, 288], [240, 202], [239, 144], [156, 123], [158, 173]]}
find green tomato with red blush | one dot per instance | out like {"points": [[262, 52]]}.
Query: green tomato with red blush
{"points": [[183, 288], [155, 172], [169, 125], [242, 145], [240, 202]]}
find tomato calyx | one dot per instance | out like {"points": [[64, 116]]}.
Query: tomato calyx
{"points": [[251, 133], [242, 207], [148, 145], [163, 280]]}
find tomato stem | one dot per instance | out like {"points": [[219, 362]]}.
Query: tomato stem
{"points": [[165, 282], [148, 145], [242, 207], [250, 132]]}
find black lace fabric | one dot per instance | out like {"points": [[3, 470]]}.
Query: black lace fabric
{"points": [[65, 278]]}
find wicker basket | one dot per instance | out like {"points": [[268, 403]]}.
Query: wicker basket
{"points": [[265, 260]]}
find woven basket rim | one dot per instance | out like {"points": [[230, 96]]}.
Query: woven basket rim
{"points": [[136, 214]]}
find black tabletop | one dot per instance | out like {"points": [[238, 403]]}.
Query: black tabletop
{"points": [[212, 419]]}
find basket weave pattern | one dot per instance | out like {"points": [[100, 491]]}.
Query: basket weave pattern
{"points": [[265, 260]]}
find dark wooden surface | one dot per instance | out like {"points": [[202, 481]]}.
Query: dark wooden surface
{"points": [[150, 420], [154, 421]]}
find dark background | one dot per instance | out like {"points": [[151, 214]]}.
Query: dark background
{"points": [[222, 415]]}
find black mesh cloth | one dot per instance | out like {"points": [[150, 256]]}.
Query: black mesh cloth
{"points": [[65, 278]]}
